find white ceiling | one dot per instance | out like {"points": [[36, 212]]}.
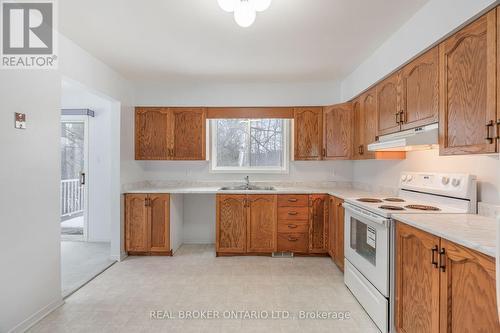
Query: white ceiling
{"points": [[193, 40]]}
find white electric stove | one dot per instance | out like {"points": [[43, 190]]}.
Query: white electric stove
{"points": [[369, 233]]}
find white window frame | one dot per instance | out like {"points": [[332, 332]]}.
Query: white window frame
{"points": [[249, 170]]}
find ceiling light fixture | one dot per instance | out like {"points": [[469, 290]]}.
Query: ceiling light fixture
{"points": [[245, 11]]}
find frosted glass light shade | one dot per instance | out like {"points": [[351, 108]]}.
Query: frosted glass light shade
{"points": [[228, 5], [261, 5], [244, 14]]}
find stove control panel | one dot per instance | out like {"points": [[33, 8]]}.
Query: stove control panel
{"points": [[449, 184]]}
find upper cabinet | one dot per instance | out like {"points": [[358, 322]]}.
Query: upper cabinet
{"points": [[170, 133], [188, 133], [151, 134], [337, 131], [389, 105], [308, 132], [420, 91], [369, 120], [467, 112], [358, 130]]}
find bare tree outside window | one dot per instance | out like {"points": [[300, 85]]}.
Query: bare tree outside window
{"points": [[249, 143]]}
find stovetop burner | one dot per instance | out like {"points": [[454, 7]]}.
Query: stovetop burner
{"points": [[369, 200], [389, 207], [394, 200], [423, 207]]}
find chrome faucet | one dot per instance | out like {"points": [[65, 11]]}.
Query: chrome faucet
{"points": [[247, 181]]}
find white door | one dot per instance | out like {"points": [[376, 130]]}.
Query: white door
{"points": [[74, 177]]}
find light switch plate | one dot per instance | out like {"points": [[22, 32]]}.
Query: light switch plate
{"points": [[20, 120]]}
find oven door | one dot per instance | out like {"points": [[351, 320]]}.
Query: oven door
{"points": [[367, 245]]}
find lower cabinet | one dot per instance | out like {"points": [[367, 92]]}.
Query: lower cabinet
{"points": [[442, 286], [147, 224], [246, 224], [336, 232], [262, 224]]}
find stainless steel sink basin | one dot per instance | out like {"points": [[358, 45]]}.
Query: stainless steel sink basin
{"points": [[247, 188]]}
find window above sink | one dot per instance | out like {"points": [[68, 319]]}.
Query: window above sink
{"points": [[249, 145]]}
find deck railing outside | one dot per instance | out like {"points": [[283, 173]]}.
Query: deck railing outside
{"points": [[72, 197]]}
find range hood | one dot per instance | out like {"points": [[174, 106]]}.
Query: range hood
{"points": [[420, 138]]}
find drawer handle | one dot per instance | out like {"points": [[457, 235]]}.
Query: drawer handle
{"points": [[292, 213], [291, 239], [488, 137], [292, 200], [292, 226]]}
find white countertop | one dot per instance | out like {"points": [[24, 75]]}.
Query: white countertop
{"points": [[338, 192], [473, 231]]}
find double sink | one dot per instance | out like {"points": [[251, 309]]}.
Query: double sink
{"points": [[247, 187]]}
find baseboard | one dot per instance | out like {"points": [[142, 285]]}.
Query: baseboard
{"points": [[120, 257], [36, 317]]}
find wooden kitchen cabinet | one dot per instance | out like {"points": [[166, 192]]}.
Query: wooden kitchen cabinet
{"points": [[293, 223], [468, 110], [262, 217], [417, 280], [170, 133], [442, 286], [358, 130], [337, 131], [147, 224], [389, 105], [468, 299], [420, 91], [336, 232], [151, 134], [187, 134], [231, 223], [369, 120], [308, 133], [318, 223]]}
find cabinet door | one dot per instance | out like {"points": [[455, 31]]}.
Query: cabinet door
{"points": [[188, 136], [468, 299], [151, 134], [359, 128], [420, 85], [318, 224], [262, 223], [389, 105], [417, 281], [339, 233], [308, 133], [159, 206], [369, 116], [137, 230], [337, 131], [468, 89], [231, 223]]}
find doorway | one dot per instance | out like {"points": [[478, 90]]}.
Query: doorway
{"points": [[74, 177]]}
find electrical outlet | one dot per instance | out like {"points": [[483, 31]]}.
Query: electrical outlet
{"points": [[20, 120]]}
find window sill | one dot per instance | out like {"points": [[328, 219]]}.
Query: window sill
{"points": [[249, 171]]}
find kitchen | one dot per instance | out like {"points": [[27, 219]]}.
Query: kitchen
{"points": [[377, 205]]}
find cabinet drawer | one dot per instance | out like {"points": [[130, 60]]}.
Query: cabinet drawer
{"points": [[293, 213], [294, 200], [293, 242], [293, 226]]}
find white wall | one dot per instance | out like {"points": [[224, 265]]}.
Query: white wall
{"points": [[236, 94], [30, 283], [433, 21], [199, 219], [100, 172], [386, 173]]}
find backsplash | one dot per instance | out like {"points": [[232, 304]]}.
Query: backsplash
{"points": [[488, 210]]}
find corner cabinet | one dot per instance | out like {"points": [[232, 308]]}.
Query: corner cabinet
{"points": [[308, 129], [442, 286], [468, 89], [337, 131], [318, 223], [170, 133], [147, 224]]}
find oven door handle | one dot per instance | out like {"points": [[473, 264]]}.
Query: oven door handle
{"points": [[353, 210]]}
